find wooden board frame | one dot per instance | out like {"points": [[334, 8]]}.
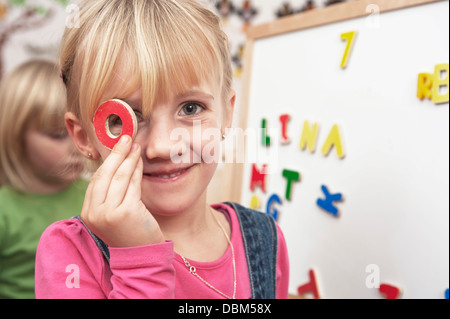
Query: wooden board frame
{"points": [[310, 19]]}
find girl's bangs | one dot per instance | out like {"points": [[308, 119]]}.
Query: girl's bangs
{"points": [[172, 58], [179, 70]]}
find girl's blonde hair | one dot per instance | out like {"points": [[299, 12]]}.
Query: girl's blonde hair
{"points": [[163, 46], [32, 97]]}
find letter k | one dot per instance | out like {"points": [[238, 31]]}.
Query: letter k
{"points": [[327, 203]]}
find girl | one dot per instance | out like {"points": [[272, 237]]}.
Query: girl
{"points": [[39, 170], [145, 229]]}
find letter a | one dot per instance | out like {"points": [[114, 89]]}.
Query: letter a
{"points": [[254, 203], [334, 138]]}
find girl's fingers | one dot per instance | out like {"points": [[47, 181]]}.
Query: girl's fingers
{"points": [[134, 189], [104, 175], [121, 181], [87, 202]]}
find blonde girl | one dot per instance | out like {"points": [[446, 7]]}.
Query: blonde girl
{"points": [[145, 229], [39, 170]]}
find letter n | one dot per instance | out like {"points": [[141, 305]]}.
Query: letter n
{"points": [[309, 136]]}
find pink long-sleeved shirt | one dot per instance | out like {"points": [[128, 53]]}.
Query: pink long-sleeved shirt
{"points": [[70, 265]]}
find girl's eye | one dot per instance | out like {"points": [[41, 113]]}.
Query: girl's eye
{"points": [[191, 109], [114, 123], [139, 116], [58, 135]]}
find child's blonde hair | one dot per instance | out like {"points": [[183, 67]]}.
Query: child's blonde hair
{"points": [[164, 46], [32, 97]]}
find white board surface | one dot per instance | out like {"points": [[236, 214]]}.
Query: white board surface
{"points": [[395, 175]]}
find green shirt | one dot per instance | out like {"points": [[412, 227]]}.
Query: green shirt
{"points": [[23, 219]]}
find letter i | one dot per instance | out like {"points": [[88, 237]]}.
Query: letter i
{"points": [[284, 119]]}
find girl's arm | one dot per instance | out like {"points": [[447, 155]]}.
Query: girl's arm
{"points": [[282, 267], [70, 265]]}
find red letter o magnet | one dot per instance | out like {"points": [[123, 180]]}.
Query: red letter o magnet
{"points": [[125, 122]]}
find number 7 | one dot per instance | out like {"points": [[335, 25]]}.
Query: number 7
{"points": [[350, 38]]}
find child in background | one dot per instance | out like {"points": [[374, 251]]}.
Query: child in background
{"points": [[39, 170], [145, 229]]}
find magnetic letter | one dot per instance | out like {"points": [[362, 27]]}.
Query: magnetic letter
{"points": [[439, 82], [269, 209], [309, 136], [291, 176], [258, 178], [334, 138], [311, 286], [327, 203], [391, 292], [254, 203], [424, 86], [284, 119], [350, 38], [265, 139]]}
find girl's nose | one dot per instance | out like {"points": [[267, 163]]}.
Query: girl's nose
{"points": [[159, 140]]}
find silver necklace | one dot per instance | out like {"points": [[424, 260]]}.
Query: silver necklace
{"points": [[193, 270]]}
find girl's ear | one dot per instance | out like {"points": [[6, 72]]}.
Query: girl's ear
{"points": [[229, 109], [80, 137]]}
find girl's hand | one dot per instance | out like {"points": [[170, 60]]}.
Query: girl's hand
{"points": [[113, 208]]}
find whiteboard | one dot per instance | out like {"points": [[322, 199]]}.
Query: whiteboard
{"points": [[395, 173]]}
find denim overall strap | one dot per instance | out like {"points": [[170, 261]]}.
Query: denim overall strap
{"points": [[100, 243], [260, 239]]}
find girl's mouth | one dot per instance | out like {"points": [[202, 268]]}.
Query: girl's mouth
{"points": [[169, 175]]}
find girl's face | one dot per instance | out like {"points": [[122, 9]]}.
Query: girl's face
{"points": [[180, 145], [53, 159]]}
